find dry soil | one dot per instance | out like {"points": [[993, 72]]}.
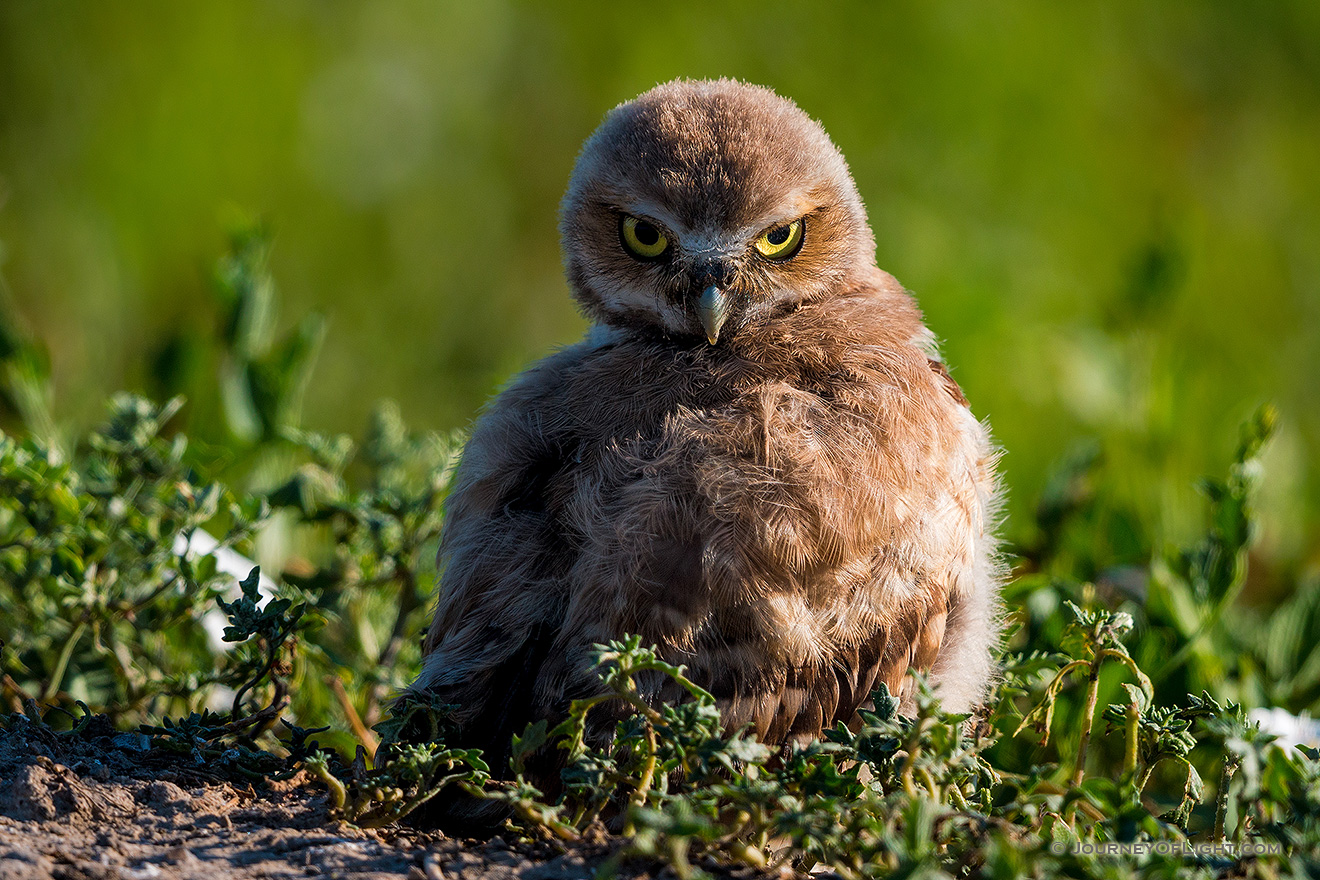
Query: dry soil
{"points": [[101, 804]]}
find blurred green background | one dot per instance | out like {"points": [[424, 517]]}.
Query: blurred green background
{"points": [[1110, 211]]}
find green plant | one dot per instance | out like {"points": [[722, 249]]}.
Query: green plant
{"points": [[381, 541], [894, 795], [937, 794], [1130, 660], [102, 599]]}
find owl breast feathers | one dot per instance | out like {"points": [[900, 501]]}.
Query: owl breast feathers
{"points": [[755, 460]]}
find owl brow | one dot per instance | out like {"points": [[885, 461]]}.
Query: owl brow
{"points": [[791, 215], [778, 224], [649, 212]]}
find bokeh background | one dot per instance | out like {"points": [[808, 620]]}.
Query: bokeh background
{"points": [[1110, 211]]}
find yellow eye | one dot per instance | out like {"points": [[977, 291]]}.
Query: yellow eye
{"points": [[642, 238], [781, 242]]}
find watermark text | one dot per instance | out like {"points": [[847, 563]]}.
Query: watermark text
{"points": [[1223, 850]]}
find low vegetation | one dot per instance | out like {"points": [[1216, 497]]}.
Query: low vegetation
{"points": [[1115, 743]]}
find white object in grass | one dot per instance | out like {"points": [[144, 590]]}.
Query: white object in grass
{"points": [[1292, 730], [228, 561]]}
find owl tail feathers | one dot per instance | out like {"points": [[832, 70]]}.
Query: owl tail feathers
{"points": [[482, 700], [533, 772], [459, 814]]}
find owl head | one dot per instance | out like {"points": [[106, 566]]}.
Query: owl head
{"points": [[703, 208]]}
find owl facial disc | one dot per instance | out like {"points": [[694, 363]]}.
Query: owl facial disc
{"points": [[708, 210]]}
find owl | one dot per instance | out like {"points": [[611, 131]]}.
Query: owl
{"points": [[755, 459]]}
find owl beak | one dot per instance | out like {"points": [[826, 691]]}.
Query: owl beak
{"points": [[713, 310]]}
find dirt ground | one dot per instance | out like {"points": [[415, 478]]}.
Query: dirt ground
{"points": [[101, 805]]}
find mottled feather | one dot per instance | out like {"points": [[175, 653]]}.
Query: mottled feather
{"points": [[796, 513]]}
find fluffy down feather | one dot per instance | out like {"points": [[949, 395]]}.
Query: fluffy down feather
{"points": [[795, 513]]}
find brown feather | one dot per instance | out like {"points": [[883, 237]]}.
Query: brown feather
{"points": [[796, 513]]}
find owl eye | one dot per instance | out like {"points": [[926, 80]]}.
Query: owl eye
{"points": [[641, 237], [781, 242]]}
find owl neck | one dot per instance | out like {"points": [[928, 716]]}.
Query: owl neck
{"points": [[816, 338]]}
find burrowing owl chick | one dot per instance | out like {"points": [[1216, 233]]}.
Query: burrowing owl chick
{"points": [[755, 459]]}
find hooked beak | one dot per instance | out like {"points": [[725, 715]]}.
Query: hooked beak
{"points": [[713, 311]]}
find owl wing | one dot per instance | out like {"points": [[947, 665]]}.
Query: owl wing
{"points": [[503, 558], [800, 701], [945, 623], [820, 696]]}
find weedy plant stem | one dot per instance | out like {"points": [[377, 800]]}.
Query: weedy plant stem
{"points": [[1145, 777], [931, 785], [62, 665], [1221, 796], [1131, 729], [271, 658], [130, 679], [319, 766], [1088, 720], [913, 749], [1046, 706], [155, 594], [394, 643], [361, 731], [648, 775]]}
